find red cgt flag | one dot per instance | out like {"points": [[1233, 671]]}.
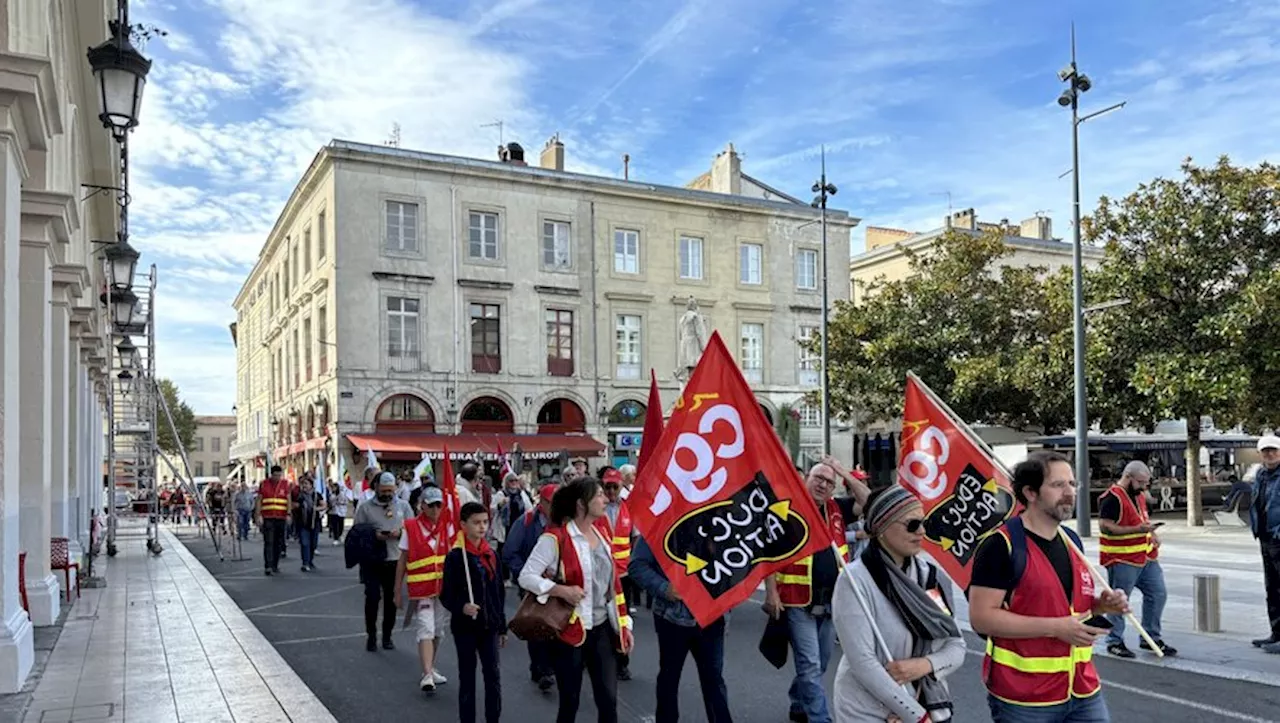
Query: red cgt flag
{"points": [[652, 424], [718, 501], [451, 511], [965, 492]]}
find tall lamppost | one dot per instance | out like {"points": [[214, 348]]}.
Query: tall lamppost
{"points": [[824, 190], [1079, 83]]}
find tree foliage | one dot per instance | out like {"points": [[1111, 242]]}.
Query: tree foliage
{"points": [[184, 419], [982, 334], [1197, 259], [788, 428]]}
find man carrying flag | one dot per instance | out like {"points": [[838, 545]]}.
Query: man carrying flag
{"points": [[721, 509], [421, 565]]}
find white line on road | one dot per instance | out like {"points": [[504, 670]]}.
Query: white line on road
{"points": [[298, 641], [306, 615], [282, 603], [1223, 712]]}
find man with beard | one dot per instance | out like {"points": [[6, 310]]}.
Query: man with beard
{"points": [[1032, 596], [386, 514], [1128, 548]]}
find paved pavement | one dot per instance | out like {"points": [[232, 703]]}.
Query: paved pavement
{"points": [[315, 622], [162, 642]]}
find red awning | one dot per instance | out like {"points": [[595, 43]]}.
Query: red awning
{"points": [[411, 445]]}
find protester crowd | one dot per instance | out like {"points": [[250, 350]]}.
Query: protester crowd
{"points": [[570, 537]]}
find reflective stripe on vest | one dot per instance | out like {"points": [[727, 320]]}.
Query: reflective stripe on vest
{"points": [[1042, 671], [795, 581], [1131, 549], [619, 535]]}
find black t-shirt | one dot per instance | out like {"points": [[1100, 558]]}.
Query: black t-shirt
{"points": [[993, 567]]}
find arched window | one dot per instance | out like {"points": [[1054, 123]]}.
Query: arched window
{"points": [[767, 414], [627, 413], [487, 415], [405, 412], [559, 416], [311, 421]]}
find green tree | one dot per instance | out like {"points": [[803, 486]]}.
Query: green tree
{"points": [[1196, 257], [183, 419], [979, 332], [788, 429]]}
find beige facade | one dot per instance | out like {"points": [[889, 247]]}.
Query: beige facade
{"points": [[505, 298], [55, 349], [1031, 241], [210, 452]]}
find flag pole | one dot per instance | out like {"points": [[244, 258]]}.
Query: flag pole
{"points": [[1098, 575]]}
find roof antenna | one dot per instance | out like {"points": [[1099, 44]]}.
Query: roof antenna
{"points": [[502, 139], [394, 140], [948, 195]]}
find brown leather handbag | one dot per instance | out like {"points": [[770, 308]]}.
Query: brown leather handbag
{"points": [[540, 622]]}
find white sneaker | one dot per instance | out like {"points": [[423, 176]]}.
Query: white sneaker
{"points": [[438, 679], [427, 684]]}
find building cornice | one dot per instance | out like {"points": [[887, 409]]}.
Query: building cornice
{"points": [[923, 241], [558, 290], [395, 276], [625, 296], [483, 284]]}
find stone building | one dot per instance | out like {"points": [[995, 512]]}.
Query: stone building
{"points": [[54, 355], [210, 453], [408, 300]]}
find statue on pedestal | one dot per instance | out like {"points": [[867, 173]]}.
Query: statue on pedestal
{"points": [[693, 338]]}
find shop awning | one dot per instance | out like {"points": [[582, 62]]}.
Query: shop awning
{"points": [[411, 445]]}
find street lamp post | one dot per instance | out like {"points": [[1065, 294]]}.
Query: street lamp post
{"points": [[824, 190], [1079, 83]]}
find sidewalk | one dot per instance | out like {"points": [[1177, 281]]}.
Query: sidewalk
{"points": [[1232, 554], [164, 643]]}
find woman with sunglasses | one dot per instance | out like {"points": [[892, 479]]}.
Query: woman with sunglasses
{"points": [[909, 602]]}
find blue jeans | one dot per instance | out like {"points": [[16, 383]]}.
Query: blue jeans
{"points": [[811, 642], [1149, 579], [242, 523], [308, 539], [1077, 710]]}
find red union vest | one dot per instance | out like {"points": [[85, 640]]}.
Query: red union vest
{"points": [[275, 498], [425, 567], [620, 535], [1133, 549], [795, 582], [571, 574], [1042, 671]]}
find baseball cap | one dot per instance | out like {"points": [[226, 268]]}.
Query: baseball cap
{"points": [[386, 479], [547, 492], [1268, 441], [432, 494], [611, 476]]}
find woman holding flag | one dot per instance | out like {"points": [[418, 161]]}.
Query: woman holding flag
{"points": [[890, 601]]}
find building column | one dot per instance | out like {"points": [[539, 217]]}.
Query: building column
{"points": [[17, 653], [35, 282], [71, 468], [60, 510]]}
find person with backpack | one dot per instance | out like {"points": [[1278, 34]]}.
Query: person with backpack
{"points": [[1035, 600]]}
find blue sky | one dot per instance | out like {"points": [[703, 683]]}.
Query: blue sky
{"points": [[914, 101]]}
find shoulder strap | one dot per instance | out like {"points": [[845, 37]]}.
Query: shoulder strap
{"points": [[1017, 548], [1075, 539]]}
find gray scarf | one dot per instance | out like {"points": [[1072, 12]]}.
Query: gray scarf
{"points": [[922, 616]]}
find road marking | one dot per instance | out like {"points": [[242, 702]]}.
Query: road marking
{"points": [[306, 615], [297, 641], [1221, 712], [282, 603]]}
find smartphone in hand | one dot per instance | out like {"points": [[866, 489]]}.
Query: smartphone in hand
{"points": [[1099, 621]]}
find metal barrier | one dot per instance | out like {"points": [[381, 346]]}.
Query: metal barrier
{"points": [[1206, 591]]}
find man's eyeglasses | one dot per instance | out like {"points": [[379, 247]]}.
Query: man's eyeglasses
{"points": [[913, 526], [434, 504], [823, 480]]}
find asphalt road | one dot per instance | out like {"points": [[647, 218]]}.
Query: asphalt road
{"points": [[315, 621]]}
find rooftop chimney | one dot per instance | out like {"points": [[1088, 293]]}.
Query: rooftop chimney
{"points": [[726, 172], [552, 157], [512, 153], [965, 219], [1037, 226]]}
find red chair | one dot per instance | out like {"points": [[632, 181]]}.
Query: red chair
{"points": [[60, 559], [22, 580]]}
